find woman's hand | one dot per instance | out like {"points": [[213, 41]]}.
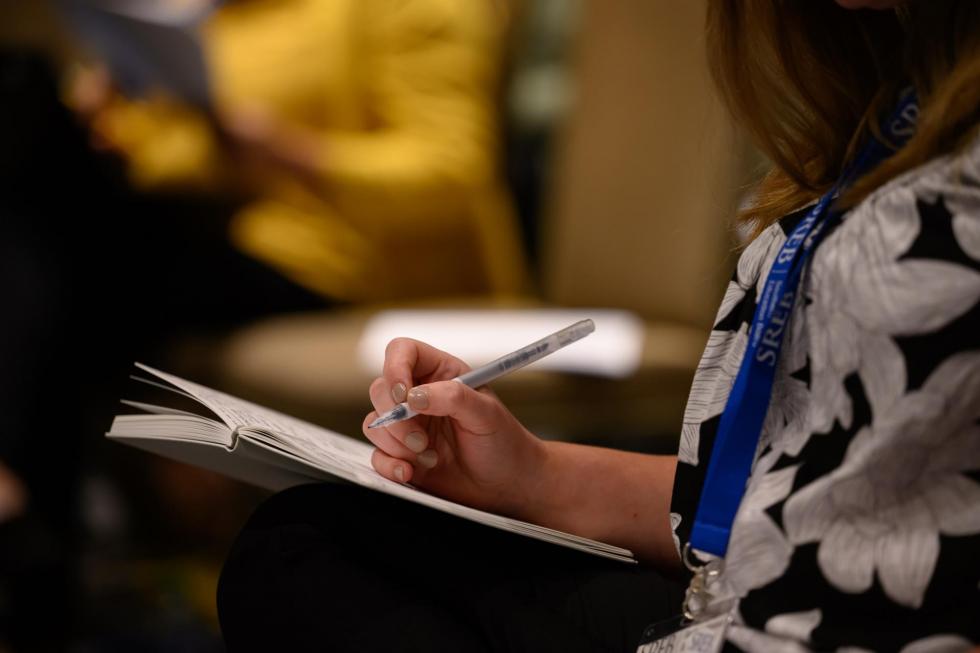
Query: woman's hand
{"points": [[91, 93], [464, 445], [263, 141], [467, 447], [13, 495]]}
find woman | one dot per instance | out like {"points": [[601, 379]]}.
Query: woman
{"points": [[346, 131], [858, 526]]}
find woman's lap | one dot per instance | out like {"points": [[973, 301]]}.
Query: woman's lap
{"points": [[337, 567]]}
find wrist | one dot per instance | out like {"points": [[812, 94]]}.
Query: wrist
{"points": [[618, 497], [517, 492], [539, 496]]}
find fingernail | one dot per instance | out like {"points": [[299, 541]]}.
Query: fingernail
{"points": [[418, 398], [400, 474], [428, 459], [416, 441], [398, 392]]}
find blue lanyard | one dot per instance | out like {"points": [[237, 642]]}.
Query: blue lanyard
{"points": [[741, 422]]}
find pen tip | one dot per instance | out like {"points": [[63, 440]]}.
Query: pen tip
{"points": [[394, 415]]}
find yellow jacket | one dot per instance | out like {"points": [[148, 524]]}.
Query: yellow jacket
{"points": [[401, 95]]}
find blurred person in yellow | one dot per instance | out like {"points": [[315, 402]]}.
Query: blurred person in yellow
{"points": [[349, 131], [342, 132]]}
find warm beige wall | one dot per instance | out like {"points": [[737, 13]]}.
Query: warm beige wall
{"points": [[645, 178]]}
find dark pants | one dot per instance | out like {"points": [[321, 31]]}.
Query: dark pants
{"points": [[338, 568]]}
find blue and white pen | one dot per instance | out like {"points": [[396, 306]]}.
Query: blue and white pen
{"points": [[503, 365]]}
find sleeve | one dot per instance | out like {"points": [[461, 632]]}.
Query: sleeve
{"points": [[430, 73]]}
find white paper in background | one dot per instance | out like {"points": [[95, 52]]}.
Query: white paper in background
{"points": [[480, 336]]}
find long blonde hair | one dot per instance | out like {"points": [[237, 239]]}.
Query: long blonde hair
{"points": [[808, 80]]}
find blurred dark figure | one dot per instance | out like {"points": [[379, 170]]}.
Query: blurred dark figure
{"points": [[92, 276], [40, 406]]}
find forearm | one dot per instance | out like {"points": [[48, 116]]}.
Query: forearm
{"points": [[614, 496]]}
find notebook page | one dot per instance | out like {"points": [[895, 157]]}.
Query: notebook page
{"points": [[283, 431], [366, 476]]}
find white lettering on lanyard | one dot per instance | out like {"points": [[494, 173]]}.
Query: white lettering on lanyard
{"points": [[768, 350], [904, 124]]}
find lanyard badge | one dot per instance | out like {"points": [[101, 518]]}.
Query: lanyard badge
{"points": [[701, 627]]}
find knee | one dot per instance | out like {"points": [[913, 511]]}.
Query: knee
{"points": [[298, 543], [287, 523], [285, 544]]}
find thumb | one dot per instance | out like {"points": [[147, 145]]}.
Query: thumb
{"points": [[478, 411]]}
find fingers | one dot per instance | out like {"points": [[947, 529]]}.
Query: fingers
{"points": [[384, 439], [406, 440], [89, 91], [398, 466], [393, 469], [408, 360], [405, 448]]}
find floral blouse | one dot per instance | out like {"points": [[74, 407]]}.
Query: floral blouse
{"points": [[860, 526]]}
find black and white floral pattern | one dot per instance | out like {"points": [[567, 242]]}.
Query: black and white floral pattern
{"points": [[860, 525]]}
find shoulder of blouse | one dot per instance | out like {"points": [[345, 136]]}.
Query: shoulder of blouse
{"points": [[951, 176]]}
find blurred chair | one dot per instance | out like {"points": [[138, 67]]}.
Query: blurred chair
{"points": [[643, 184]]}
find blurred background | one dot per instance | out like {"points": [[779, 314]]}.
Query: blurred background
{"points": [[256, 194]]}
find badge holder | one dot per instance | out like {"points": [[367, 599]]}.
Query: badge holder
{"points": [[701, 627]]}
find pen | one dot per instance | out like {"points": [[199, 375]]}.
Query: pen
{"points": [[503, 365]]}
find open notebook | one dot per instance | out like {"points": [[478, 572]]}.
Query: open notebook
{"points": [[266, 448]]}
